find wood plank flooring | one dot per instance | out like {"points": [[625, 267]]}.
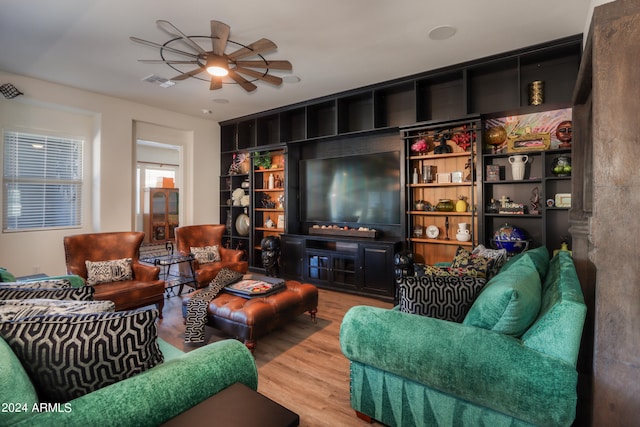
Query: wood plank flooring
{"points": [[300, 365]]}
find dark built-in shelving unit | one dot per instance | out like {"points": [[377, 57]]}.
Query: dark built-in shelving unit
{"points": [[485, 87]]}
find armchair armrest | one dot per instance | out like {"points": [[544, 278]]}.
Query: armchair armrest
{"points": [[477, 365], [159, 394], [231, 255], [145, 273]]}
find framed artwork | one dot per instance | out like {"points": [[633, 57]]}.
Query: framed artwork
{"points": [[529, 142]]}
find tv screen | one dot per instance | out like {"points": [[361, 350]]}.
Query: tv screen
{"points": [[362, 189]]}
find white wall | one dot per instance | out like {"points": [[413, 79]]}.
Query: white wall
{"points": [[109, 125]]}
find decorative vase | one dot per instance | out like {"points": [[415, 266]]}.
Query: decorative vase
{"points": [[445, 205], [461, 204], [561, 166], [518, 163]]}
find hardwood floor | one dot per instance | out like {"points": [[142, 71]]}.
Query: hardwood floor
{"points": [[300, 365]]}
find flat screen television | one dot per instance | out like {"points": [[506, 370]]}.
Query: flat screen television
{"points": [[361, 189]]}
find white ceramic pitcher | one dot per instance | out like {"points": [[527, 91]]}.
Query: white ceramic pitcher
{"points": [[518, 163]]}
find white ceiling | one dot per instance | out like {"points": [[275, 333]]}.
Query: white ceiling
{"points": [[334, 45]]}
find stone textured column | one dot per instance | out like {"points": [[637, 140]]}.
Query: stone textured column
{"points": [[605, 221]]}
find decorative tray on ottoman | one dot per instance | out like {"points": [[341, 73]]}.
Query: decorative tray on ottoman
{"points": [[255, 285]]}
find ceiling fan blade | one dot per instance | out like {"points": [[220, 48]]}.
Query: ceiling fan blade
{"points": [[171, 29], [189, 74], [160, 61], [216, 83], [219, 35], [274, 65], [246, 84], [277, 81], [159, 46], [260, 46]]}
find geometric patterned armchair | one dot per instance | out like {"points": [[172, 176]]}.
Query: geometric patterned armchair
{"points": [[98, 259], [209, 235]]}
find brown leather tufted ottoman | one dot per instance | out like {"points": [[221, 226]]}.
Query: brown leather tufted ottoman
{"points": [[250, 319]]}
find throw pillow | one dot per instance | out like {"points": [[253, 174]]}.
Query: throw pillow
{"points": [[430, 270], [84, 293], [68, 356], [446, 297], [40, 284], [499, 257], [206, 254], [108, 271], [472, 265], [11, 310], [510, 302]]}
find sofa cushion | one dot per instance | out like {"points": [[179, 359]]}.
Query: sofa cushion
{"points": [[206, 254], [539, 256], [510, 302], [442, 296], [12, 310], [39, 284], [109, 271], [471, 265], [68, 356], [84, 293]]}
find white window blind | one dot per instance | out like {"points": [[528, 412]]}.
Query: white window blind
{"points": [[42, 178]]}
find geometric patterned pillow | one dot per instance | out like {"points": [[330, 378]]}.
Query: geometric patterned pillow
{"points": [[472, 265], [206, 254], [108, 271], [12, 310], [40, 284], [442, 297], [67, 356], [84, 293]]}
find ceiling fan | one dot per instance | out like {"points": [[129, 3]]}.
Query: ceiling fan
{"points": [[217, 62]]}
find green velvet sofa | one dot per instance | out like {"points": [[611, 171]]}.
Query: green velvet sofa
{"points": [[412, 370], [147, 399]]}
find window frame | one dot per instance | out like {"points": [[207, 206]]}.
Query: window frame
{"points": [[67, 180]]}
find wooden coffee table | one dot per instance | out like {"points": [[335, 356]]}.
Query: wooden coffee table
{"points": [[237, 406]]}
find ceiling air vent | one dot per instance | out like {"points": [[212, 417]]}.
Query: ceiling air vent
{"points": [[159, 81]]}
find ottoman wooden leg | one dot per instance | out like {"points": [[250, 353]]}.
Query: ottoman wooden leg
{"points": [[250, 344], [313, 315]]}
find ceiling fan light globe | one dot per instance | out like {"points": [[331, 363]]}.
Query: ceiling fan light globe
{"points": [[217, 66], [217, 71]]}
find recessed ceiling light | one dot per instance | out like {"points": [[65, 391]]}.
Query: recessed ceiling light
{"points": [[206, 111], [221, 101], [291, 79], [442, 33]]}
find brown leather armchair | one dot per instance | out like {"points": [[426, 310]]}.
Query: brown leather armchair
{"points": [[142, 290], [208, 235]]}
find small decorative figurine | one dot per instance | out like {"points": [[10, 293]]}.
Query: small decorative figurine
{"points": [[535, 201], [443, 148], [270, 253]]}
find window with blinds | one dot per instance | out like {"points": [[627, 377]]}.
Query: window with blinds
{"points": [[42, 179]]}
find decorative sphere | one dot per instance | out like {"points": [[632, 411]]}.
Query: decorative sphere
{"points": [[496, 135], [511, 238]]}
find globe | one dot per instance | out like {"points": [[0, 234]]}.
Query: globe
{"points": [[510, 238], [496, 136]]}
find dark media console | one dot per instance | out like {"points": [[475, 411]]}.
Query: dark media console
{"points": [[359, 266]]}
